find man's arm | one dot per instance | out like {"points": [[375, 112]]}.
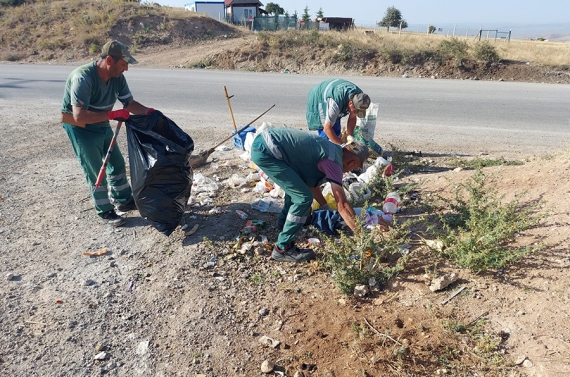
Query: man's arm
{"points": [[351, 123], [344, 208], [318, 195], [328, 130], [81, 116], [136, 108]]}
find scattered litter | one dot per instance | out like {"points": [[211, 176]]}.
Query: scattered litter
{"points": [[95, 253], [223, 148], [267, 205], [453, 295], [314, 241], [215, 211], [360, 291], [241, 214], [59, 301], [184, 227], [9, 276], [100, 356], [192, 231]]}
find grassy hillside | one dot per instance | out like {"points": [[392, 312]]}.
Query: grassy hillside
{"points": [[70, 30], [74, 30]]}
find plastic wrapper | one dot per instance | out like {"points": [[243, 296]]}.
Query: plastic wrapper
{"points": [[161, 175]]}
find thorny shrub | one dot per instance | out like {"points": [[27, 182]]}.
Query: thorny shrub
{"points": [[477, 231]]}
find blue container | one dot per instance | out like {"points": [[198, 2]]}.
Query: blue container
{"points": [[239, 140]]}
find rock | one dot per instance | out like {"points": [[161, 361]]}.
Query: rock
{"points": [[9, 276], [267, 366], [342, 301], [360, 291], [267, 341], [520, 360], [263, 312], [87, 282], [142, 348], [458, 169], [443, 282], [527, 363], [100, 356]]}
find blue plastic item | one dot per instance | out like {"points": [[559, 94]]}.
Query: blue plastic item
{"points": [[239, 140]]}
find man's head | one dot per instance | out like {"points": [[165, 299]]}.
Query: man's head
{"points": [[353, 155], [117, 50], [360, 101]]}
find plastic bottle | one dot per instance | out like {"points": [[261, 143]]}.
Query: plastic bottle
{"points": [[256, 223], [241, 214], [391, 203]]}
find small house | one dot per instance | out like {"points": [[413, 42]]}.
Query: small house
{"points": [[213, 8], [240, 11], [338, 23]]}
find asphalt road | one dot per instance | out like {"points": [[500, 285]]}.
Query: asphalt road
{"points": [[434, 116]]}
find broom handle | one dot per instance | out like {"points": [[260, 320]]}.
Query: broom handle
{"points": [[243, 128], [109, 151], [230, 107]]}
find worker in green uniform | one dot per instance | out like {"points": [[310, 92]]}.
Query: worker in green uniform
{"points": [[90, 94], [299, 162], [332, 100]]}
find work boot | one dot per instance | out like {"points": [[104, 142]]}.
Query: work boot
{"points": [[111, 218], [292, 254], [126, 207]]}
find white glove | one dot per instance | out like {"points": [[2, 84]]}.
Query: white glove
{"points": [[349, 139]]}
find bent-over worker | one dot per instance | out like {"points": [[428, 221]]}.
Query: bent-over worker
{"points": [[299, 162], [332, 100]]}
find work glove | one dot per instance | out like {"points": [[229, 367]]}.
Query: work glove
{"points": [[120, 115], [150, 110]]}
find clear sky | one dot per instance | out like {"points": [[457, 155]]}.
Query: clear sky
{"points": [[415, 12]]}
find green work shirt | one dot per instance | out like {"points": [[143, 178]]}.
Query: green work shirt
{"points": [[337, 90], [302, 151], [85, 88]]}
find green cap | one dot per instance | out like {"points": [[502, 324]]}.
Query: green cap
{"points": [[117, 50], [361, 102], [358, 148]]}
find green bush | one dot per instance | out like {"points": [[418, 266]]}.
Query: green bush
{"points": [[377, 254], [477, 231], [453, 48], [485, 51]]}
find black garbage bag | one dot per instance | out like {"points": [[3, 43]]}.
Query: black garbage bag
{"points": [[161, 175]]}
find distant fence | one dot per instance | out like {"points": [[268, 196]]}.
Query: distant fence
{"points": [[272, 23], [506, 35]]}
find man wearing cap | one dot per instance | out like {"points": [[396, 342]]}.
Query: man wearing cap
{"points": [[276, 152], [330, 101], [90, 94]]}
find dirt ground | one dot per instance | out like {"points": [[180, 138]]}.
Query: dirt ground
{"points": [[193, 306]]}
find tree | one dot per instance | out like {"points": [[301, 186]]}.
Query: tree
{"points": [[306, 17], [274, 9], [431, 29], [393, 18], [320, 13]]}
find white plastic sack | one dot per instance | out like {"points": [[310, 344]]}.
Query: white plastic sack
{"points": [[367, 124]]}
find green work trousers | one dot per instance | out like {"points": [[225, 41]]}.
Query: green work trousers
{"points": [[90, 145], [298, 196]]}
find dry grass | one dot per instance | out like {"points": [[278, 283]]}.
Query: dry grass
{"points": [[536, 52]]}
